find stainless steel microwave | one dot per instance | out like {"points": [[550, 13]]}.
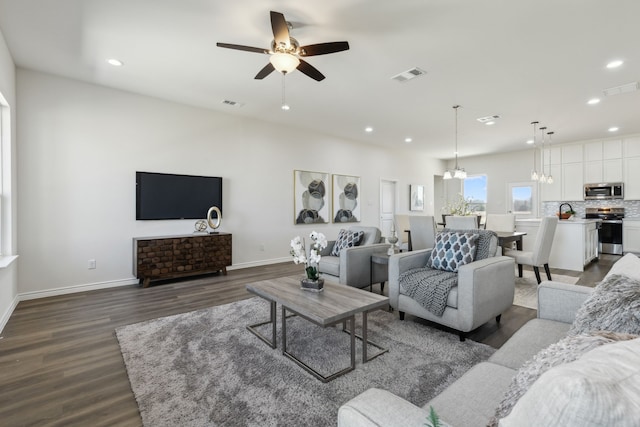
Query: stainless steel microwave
{"points": [[604, 191]]}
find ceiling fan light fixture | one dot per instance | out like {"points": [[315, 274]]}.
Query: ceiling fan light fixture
{"points": [[284, 62], [447, 175]]}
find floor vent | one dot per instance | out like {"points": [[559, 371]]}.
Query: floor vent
{"points": [[409, 75]]}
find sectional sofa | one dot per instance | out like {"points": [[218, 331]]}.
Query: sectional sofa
{"points": [[558, 369]]}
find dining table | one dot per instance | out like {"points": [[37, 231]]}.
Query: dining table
{"points": [[506, 237]]}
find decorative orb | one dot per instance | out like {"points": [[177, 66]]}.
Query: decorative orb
{"points": [[201, 225]]}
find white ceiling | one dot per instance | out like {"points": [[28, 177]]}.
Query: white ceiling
{"points": [[524, 60]]}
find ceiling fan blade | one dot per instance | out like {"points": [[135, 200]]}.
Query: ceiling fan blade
{"points": [[241, 47], [323, 48], [280, 29], [268, 69], [310, 71]]}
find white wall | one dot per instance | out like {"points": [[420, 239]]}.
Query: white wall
{"points": [[79, 148], [8, 275]]}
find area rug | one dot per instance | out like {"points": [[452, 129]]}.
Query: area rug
{"points": [[204, 368], [527, 287]]}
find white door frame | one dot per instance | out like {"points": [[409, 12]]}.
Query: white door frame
{"points": [[383, 217]]}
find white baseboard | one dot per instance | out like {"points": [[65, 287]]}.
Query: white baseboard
{"points": [[76, 288], [7, 314], [258, 263]]}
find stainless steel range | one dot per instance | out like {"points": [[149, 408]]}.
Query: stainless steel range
{"points": [[610, 233]]}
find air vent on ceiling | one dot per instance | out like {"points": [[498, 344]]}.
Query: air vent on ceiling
{"points": [[232, 103], [409, 75], [617, 90], [488, 118]]}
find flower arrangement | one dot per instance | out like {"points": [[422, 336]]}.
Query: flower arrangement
{"points": [[460, 206], [310, 261]]}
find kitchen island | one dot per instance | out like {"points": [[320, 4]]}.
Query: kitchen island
{"points": [[575, 243]]}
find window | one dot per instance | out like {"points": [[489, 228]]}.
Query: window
{"points": [[475, 191], [522, 199]]}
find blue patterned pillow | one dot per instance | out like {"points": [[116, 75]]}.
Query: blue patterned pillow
{"points": [[346, 239], [452, 250]]}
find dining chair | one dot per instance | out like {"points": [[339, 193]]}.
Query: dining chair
{"points": [[423, 231], [402, 226], [539, 256], [456, 222], [501, 222]]}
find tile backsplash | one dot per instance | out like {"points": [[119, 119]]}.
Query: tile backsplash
{"points": [[631, 207]]}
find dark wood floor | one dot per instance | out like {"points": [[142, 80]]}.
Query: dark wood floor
{"points": [[60, 363]]}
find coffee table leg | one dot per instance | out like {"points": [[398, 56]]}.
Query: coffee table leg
{"points": [[365, 341], [272, 316]]}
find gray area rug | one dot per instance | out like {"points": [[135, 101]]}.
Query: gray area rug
{"points": [[527, 287], [204, 368]]}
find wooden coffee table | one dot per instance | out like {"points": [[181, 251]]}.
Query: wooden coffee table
{"points": [[337, 303]]}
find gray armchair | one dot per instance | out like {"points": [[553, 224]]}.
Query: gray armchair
{"points": [[353, 266], [485, 289]]}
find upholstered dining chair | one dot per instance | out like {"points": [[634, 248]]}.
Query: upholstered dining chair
{"points": [[456, 222], [501, 222], [402, 225], [539, 256], [423, 232]]}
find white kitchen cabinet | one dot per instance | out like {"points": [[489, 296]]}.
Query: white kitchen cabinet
{"points": [[612, 149], [632, 147], [603, 162], [572, 182], [632, 178], [593, 152], [553, 192], [630, 236], [572, 153], [612, 170], [593, 172]]}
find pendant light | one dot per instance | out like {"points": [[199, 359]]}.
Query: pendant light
{"points": [[534, 173], [549, 176], [458, 172], [542, 178]]}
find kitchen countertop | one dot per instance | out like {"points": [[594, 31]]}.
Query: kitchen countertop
{"points": [[562, 221]]}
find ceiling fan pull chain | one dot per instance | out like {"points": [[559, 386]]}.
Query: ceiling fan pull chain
{"points": [[285, 107]]}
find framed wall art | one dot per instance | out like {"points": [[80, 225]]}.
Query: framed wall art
{"points": [[346, 198], [310, 198], [416, 197]]}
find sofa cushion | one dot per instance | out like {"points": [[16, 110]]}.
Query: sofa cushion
{"points": [[487, 244], [628, 265], [614, 305], [601, 388], [566, 350], [535, 335], [329, 265], [452, 250], [346, 239], [470, 401]]}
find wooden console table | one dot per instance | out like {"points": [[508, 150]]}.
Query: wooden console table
{"points": [[167, 257]]}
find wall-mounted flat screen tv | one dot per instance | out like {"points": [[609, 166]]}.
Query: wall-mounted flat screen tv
{"points": [[170, 196]]}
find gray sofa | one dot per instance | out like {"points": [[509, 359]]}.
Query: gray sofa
{"points": [[485, 289], [599, 386], [353, 266]]}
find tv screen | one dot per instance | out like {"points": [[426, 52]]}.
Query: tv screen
{"points": [[169, 196]]}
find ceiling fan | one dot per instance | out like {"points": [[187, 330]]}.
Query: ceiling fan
{"points": [[286, 53]]}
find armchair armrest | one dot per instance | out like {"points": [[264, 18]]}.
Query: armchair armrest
{"points": [[398, 264], [380, 408], [355, 264], [485, 289], [560, 301]]}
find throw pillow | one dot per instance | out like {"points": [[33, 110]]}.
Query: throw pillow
{"points": [[346, 239], [566, 350], [601, 388], [453, 250], [487, 244], [614, 305], [628, 265]]}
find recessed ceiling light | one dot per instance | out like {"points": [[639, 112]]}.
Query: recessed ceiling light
{"points": [[285, 107], [490, 123], [615, 64], [115, 62], [368, 129], [613, 129], [408, 140], [593, 101], [529, 141]]}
